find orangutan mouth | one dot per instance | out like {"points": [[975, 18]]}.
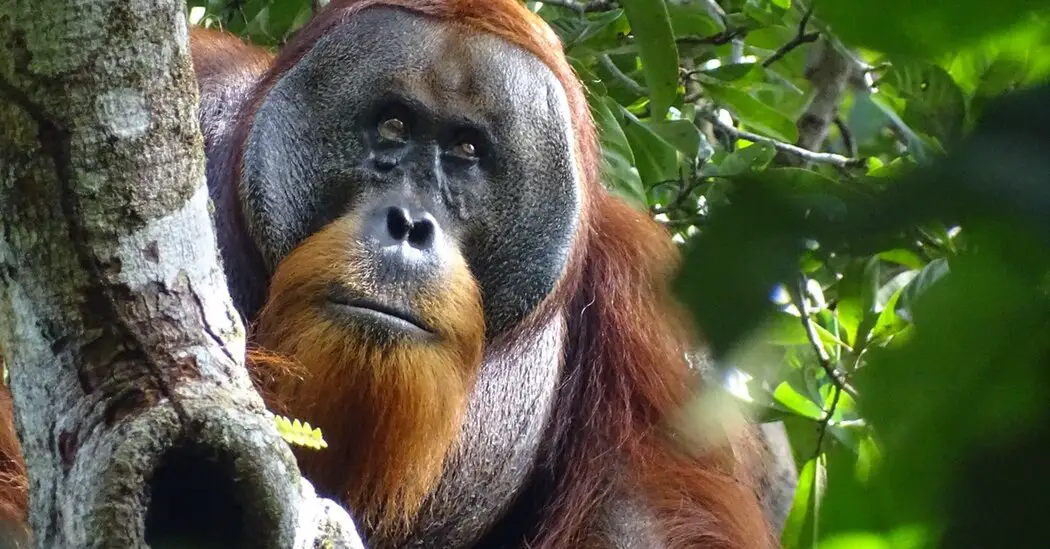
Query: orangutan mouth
{"points": [[373, 312]]}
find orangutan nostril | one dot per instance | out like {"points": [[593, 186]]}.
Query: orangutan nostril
{"points": [[398, 223]]}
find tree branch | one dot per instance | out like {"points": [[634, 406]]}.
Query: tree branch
{"points": [[805, 154], [825, 422], [719, 39], [847, 136], [124, 352], [829, 71], [801, 37], [799, 297]]}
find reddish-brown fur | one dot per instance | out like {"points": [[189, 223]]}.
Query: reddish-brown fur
{"points": [[14, 485], [626, 375], [391, 410], [630, 380], [220, 57]]}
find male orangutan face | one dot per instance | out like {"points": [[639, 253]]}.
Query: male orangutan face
{"points": [[412, 184], [465, 136]]}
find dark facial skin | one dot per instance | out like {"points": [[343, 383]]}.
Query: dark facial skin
{"points": [[392, 110], [432, 134]]}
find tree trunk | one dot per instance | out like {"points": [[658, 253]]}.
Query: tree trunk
{"points": [[829, 71], [137, 418]]}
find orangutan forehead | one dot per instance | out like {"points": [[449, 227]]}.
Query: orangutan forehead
{"points": [[444, 65]]}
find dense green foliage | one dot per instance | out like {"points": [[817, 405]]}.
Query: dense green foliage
{"points": [[886, 298]]}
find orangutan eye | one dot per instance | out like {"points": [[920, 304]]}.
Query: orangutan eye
{"points": [[465, 149], [393, 129]]}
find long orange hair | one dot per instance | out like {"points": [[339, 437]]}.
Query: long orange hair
{"points": [[626, 374]]}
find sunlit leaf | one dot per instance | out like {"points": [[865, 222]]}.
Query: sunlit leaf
{"points": [[684, 136], [785, 329], [792, 400], [922, 29], [753, 157], [651, 26], [617, 157], [693, 18], [924, 279], [655, 158], [801, 523], [902, 256], [753, 112], [734, 71]]}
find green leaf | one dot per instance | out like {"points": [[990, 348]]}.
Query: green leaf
{"points": [[894, 286], [973, 375], [888, 323], [1001, 76], [925, 29], [785, 329], [753, 112], [856, 541], [617, 157], [595, 85], [651, 26], [935, 104], [789, 398], [868, 456], [593, 31], [683, 135], [822, 198], [655, 156], [752, 158], [284, 15], [927, 277], [755, 244], [850, 307], [300, 433], [800, 524], [902, 538], [693, 18], [902, 256], [764, 12], [916, 145], [734, 71]]}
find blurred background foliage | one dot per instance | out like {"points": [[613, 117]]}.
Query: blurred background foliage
{"points": [[861, 191]]}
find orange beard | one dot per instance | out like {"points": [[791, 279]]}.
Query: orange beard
{"points": [[390, 407]]}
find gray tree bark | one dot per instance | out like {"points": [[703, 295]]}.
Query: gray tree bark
{"points": [[829, 71], [135, 411]]}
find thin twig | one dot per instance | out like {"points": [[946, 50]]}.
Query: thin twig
{"points": [[847, 136], [837, 379], [634, 87], [686, 187], [583, 7], [825, 421], [801, 37], [686, 192], [688, 75], [805, 154], [719, 39]]}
